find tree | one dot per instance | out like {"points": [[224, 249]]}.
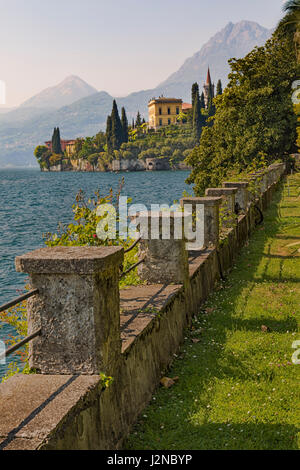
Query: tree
{"points": [[124, 122], [254, 117], [56, 144], [109, 134], [93, 159], [116, 128], [290, 24], [211, 108], [42, 154], [54, 140], [195, 90], [197, 117], [138, 121], [202, 101], [219, 88]]}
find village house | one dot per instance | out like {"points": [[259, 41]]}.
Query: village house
{"points": [[66, 145], [163, 111]]}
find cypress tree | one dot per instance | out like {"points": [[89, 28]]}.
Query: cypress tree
{"points": [[133, 124], [138, 121], [59, 149], [53, 140], [197, 118], [124, 122], [219, 88], [109, 134], [211, 109], [56, 144], [116, 127], [195, 90], [202, 101]]}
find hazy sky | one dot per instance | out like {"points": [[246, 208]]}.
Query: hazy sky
{"points": [[118, 46]]}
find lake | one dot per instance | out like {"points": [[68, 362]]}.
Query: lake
{"points": [[33, 203]]}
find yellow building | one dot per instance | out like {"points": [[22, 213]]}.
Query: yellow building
{"points": [[163, 111]]}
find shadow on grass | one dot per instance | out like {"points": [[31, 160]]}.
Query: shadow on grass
{"points": [[254, 436], [213, 363]]}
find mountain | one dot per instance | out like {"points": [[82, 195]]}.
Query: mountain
{"points": [[22, 129], [235, 40], [65, 93]]}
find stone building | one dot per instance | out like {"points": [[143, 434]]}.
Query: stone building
{"points": [[208, 88], [66, 145], [163, 111]]}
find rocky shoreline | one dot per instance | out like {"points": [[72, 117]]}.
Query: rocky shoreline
{"points": [[149, 164]]}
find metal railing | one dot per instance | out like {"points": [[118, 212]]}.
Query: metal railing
{"points": [[17, 300], [26, 340], [19, 345], [133, 245], [124, 273]]}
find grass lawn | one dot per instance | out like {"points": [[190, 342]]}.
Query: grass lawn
{"points": [[238, 387]]}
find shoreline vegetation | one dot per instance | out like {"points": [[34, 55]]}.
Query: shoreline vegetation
{"points": [[134, 147]]}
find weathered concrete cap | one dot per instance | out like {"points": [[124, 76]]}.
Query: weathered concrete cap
{"points": [[69, 260], [236, 184], [33, 406], [206, 201], [222, 191]]}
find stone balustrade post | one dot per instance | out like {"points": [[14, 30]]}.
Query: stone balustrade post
{"points": [[77, 309], [228, 195], [242, 195], [210, 221], [163, 247], [270, 177]]}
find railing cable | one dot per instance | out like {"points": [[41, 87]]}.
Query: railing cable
{"points": [[18, 300], [131, 268], [133, 245], [20, 344]]}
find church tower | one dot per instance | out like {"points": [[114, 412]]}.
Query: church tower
{"points": [[209, 89]]}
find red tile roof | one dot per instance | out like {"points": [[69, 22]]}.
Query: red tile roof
{"points": [[186, 106]]}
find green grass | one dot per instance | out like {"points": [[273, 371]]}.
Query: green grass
{"points": [[238, 387]]}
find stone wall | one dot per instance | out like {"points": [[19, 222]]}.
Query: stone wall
{"points": [[55, 411]]}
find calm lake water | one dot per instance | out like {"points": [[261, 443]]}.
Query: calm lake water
{"points": [[32, 203]]}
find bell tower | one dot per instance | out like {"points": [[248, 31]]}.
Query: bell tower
{"points": [[209, 89]]}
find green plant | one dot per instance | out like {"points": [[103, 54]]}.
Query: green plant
{"points": [[106, 380]]}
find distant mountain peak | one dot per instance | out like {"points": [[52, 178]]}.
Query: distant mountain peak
{"points": [[84, 112], [71, 89], [234, 40]]}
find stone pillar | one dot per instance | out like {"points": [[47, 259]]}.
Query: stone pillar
{"points": [[77, 309], [210, 221], [228, 195], [162, 247], [269, 177], [242, 195]]}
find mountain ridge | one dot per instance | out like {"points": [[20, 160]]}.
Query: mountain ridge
{"points": [[87, 115], [69, 90]]}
